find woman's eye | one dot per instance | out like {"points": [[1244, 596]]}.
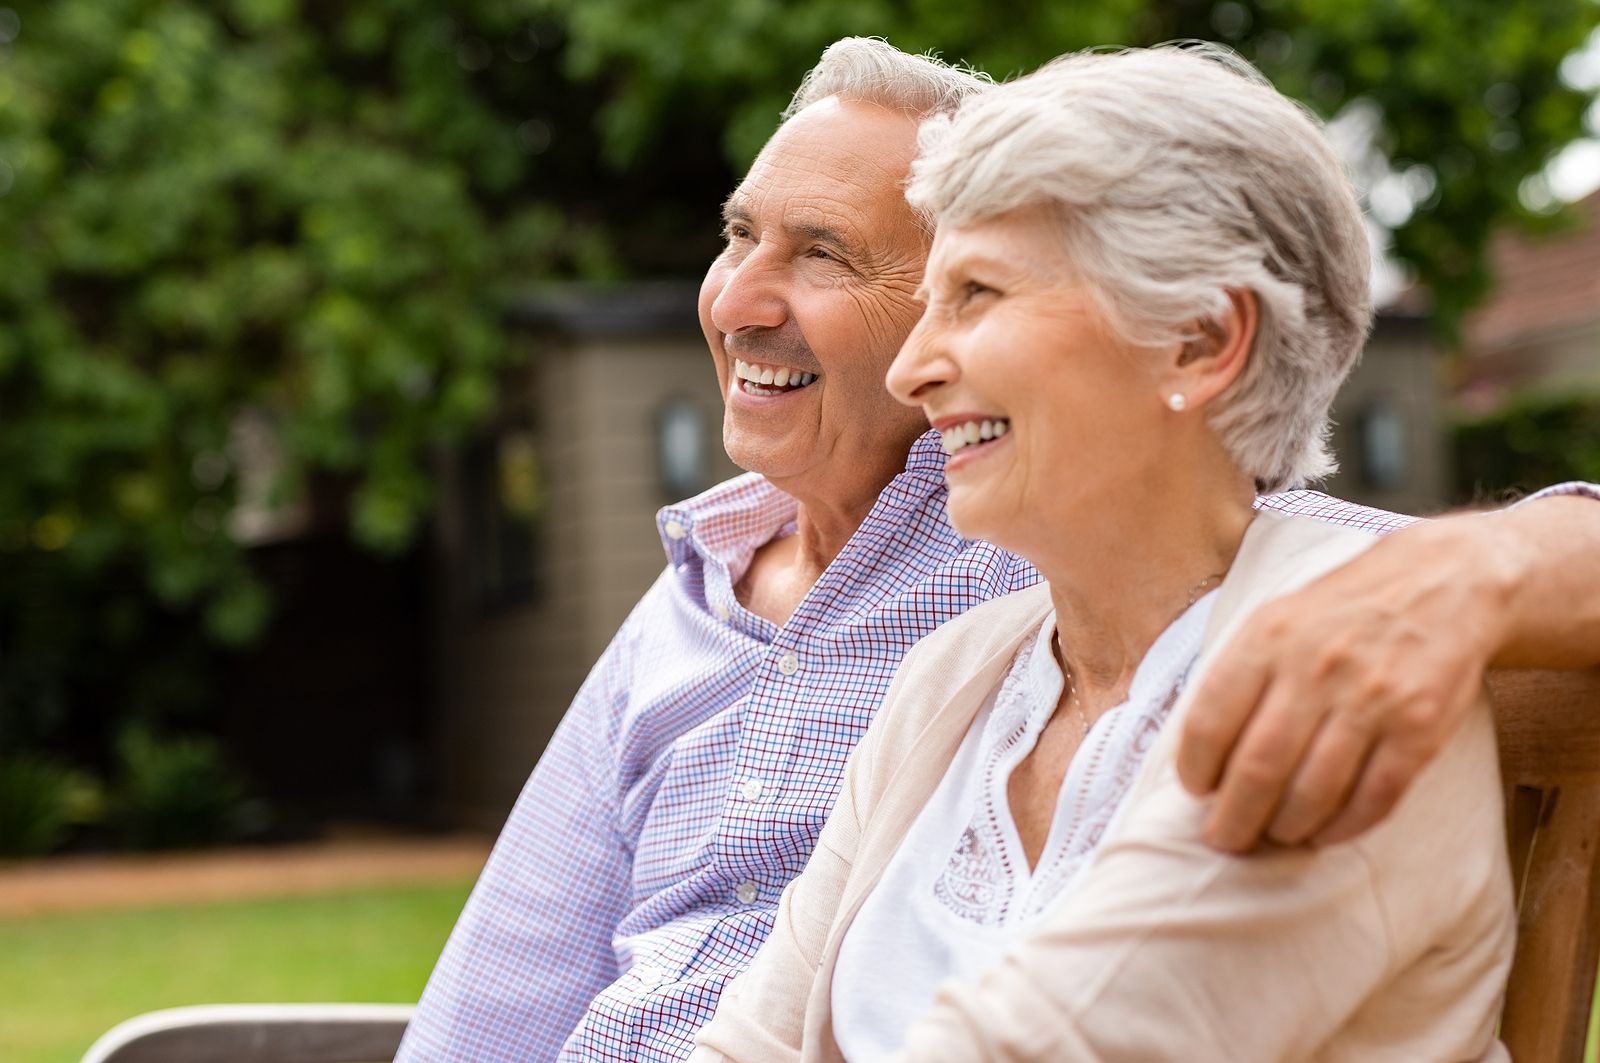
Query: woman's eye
{"points": [[972, 289]]}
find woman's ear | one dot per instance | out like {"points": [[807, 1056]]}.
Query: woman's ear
{"points": [[1206, 365]]}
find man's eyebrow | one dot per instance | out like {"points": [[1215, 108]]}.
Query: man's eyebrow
{"points": [[829, 236], [735, 208]]}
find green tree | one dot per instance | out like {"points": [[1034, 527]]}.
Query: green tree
{"points": [[312, 214], [1465, 94]]}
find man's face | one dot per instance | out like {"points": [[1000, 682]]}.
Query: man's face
{"points": [[813, 296]]}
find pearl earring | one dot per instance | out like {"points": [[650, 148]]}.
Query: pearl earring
{"points": [[1176, 402]]}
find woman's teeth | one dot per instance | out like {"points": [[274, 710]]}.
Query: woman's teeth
{"points": [[770, 379], [959, 437]]}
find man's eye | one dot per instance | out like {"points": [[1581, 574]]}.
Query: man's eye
{"points": [[972, 289], [735, 231], [822, 253]]}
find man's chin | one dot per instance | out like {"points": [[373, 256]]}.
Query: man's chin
{"points": [[764, 462]]}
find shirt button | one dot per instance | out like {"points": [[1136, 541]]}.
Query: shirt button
{"points": [[747, 892], [675, 530], [720, 611], [788, 664], [751, 789], [649, 977]]}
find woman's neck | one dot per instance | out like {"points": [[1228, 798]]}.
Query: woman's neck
{"points": [[1123, 575]]}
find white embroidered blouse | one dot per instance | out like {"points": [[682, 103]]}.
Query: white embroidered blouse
{"points": [[959, 890]]}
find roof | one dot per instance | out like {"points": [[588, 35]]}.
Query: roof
{"points": [[1542, 284], [638, 308]]}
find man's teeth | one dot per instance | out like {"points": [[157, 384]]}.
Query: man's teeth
{"points": [[960, 436], [771, 376]]}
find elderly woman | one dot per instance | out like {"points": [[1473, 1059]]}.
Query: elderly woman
{"points": [[1148, 279]]}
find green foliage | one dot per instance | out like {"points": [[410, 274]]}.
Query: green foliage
{"points": [[303, 216], [1531, 442], [174, 792], [1466, 92], [39, 801]]}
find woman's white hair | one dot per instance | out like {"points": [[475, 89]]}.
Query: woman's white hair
{"points": [[871, 70], [1180, 174]]}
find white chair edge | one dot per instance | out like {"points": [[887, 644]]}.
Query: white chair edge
{"points": [[153, 1022]]}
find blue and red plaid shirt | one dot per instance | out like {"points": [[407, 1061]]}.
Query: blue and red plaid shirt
{"points": [[686, 786]]}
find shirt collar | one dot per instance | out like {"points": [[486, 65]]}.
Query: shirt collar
{"points": [[729, 521]]}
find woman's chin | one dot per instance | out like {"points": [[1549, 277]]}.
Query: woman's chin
{"points": [[972, 516]]}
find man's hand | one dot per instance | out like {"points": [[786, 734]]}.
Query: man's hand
{"points": [[1328, 702]]}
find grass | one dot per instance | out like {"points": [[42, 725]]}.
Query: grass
{"points": [[65, 979]]}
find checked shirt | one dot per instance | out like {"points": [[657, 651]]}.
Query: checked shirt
{"points": [[640, 868]]}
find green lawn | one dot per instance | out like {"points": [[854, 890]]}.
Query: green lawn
{"points": [[65, 979]]}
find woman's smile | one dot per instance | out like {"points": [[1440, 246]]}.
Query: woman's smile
{"points": [[970, 437]]}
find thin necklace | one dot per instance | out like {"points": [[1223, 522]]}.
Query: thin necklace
{"points": [[1073, 699], [1195, 594]]}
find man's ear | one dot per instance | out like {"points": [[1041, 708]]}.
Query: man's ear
{"points": [[1205, 366]]}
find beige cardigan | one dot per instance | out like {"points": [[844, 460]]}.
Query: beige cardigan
{"points": [[1391, 947]]}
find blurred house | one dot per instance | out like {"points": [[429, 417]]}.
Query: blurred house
{"points": [[1540, 328], [1388, 431], [546, 534]]}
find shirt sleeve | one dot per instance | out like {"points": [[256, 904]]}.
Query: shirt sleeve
{"points": [[534, 944], [1571, 487]]}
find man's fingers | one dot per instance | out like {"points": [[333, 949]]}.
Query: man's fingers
{"points": [[1224, 703], [1383, 780], [1257, 772], [1323, 782]]}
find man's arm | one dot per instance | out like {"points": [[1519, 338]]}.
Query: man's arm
{"points": [[1331, 700], [533, 946]]}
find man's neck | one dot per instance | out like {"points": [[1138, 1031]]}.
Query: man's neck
{"points": [[783, 571]]}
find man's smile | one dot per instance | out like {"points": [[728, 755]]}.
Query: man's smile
{"points": [[761, 378]]}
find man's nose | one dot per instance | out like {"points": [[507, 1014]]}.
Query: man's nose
{"points": [[753, 296], [921, 367]]}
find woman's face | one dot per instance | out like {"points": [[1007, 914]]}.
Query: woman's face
{"points": [[1012, 347]]}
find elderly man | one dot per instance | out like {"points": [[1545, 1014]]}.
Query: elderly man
{"points": [[686, 786]]}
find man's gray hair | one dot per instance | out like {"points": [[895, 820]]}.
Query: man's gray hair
{"points": [[1179, 174], [871, 70]]}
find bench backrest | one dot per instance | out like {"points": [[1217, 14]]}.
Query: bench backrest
{"points": [[1549, 732]]}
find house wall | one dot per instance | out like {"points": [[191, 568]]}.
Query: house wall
{"points": [[1400, 377], [508, 673]]}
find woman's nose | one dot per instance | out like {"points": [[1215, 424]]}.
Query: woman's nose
{"points": [[921, 367]]}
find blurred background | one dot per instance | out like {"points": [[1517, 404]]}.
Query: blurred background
{"points": [[347, 349]]}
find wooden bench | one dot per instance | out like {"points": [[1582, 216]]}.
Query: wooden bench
{"points": [[1549, 732]]}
